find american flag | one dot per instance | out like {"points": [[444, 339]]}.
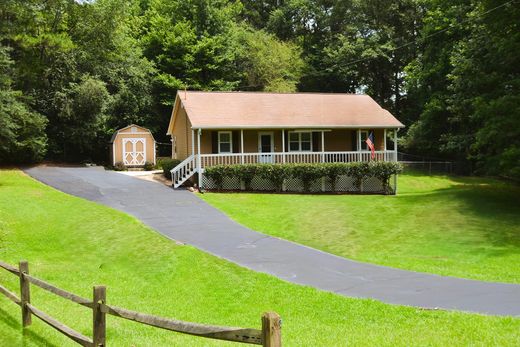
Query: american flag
{"points": [[370, 143]]}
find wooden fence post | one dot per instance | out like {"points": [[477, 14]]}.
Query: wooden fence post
{"points": [[271, 330], [25, 293], [99, 317]]}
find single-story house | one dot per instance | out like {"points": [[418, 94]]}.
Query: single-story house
{"points": [[133, 146], [210, 128]]}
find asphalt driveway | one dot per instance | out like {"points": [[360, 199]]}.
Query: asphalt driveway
{"points": [[182, 216]]}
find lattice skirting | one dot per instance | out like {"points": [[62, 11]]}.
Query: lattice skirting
{"points": [[344, 184]]}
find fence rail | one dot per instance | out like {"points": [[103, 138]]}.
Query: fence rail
{"points": [[269, 335]]}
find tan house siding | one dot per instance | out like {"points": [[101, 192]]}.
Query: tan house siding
{"points": [[182, 135], [338, 140]]}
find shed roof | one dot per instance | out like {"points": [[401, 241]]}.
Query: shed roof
{"points": [[129, 126], [212, 110]]}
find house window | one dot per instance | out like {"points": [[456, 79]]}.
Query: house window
{"points": [[363, 135], [300, 141], [225, 142]]}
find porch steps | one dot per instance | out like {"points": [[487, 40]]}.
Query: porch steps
{"points": [[184, 171]]}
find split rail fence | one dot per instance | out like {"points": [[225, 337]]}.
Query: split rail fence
{"points": [[269, 335]]}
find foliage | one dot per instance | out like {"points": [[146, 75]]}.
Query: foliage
{"points": [[359, 171], [445, 68], [22, 130], [383, 171], [276, 173], [148, 166], [307, 173], [167, 166], [119, 166], [332, 171]]}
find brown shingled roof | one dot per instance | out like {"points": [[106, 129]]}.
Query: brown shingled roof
{"points": [[283, 110]]}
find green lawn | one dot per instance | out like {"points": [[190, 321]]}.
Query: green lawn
{"points": [[464, 227], [76, 244]]}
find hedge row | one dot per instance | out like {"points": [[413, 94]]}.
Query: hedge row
{"points": [[307, 173]]}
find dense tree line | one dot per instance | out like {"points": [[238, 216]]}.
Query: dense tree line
{"points": [[71, 72]]}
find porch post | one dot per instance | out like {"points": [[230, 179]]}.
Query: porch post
{"points": [[242, 145], [283, 145], [358, 138], [322, 146], [192, 141], [384, 146], [395, 159], [199, 164], [395, 144]]}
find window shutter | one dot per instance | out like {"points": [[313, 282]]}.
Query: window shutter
{"points": [[214, 142], [354, 140], [316, 141], [286, 136], [235, 138]]}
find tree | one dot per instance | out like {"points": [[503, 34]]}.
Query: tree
{"points": [[22, 131]]}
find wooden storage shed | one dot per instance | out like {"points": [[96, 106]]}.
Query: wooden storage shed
{"points": [[133, 146]]}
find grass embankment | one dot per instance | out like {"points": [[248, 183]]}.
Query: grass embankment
{"points": [[76, 244], [464, 227]]}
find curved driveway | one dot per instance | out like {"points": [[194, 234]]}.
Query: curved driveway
{"points": [[182, 216]]}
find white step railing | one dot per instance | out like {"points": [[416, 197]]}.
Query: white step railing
{"points": [[294, 157], [182, 172]]}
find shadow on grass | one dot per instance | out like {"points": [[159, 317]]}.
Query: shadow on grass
{"points": [[28, 337], [494, 202]]}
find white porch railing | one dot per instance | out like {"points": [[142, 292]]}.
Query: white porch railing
{"points": [[182, 172], [294, 157]]}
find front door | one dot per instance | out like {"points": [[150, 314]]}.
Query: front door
{"points": [[134, 152], [266, 145]]}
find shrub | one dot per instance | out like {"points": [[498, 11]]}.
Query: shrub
{"points": [[246, 173], [148, 166], [276, 173], [218, 172], [307, 173], [119, 166], [383, 171], [333, 170], [167, 166], [358, 171]]}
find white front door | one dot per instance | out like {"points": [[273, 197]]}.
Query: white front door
{"points": [[266, 145], [134, 151]]}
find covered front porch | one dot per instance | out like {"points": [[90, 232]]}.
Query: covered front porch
{"points": [[210, 147]]}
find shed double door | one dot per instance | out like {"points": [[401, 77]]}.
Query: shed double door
{"points": [[134, 151]]}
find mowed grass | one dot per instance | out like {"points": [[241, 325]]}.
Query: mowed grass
{"points": [[464, 227], [76, 244]]}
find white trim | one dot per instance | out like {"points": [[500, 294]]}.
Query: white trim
{"points": [[270, 133], [199, 164], [134, 153], [192, 141], [230, 141], [242, 145], [292, 126], [299, 133], [283, 145], [360, 142], [114, 153]]}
